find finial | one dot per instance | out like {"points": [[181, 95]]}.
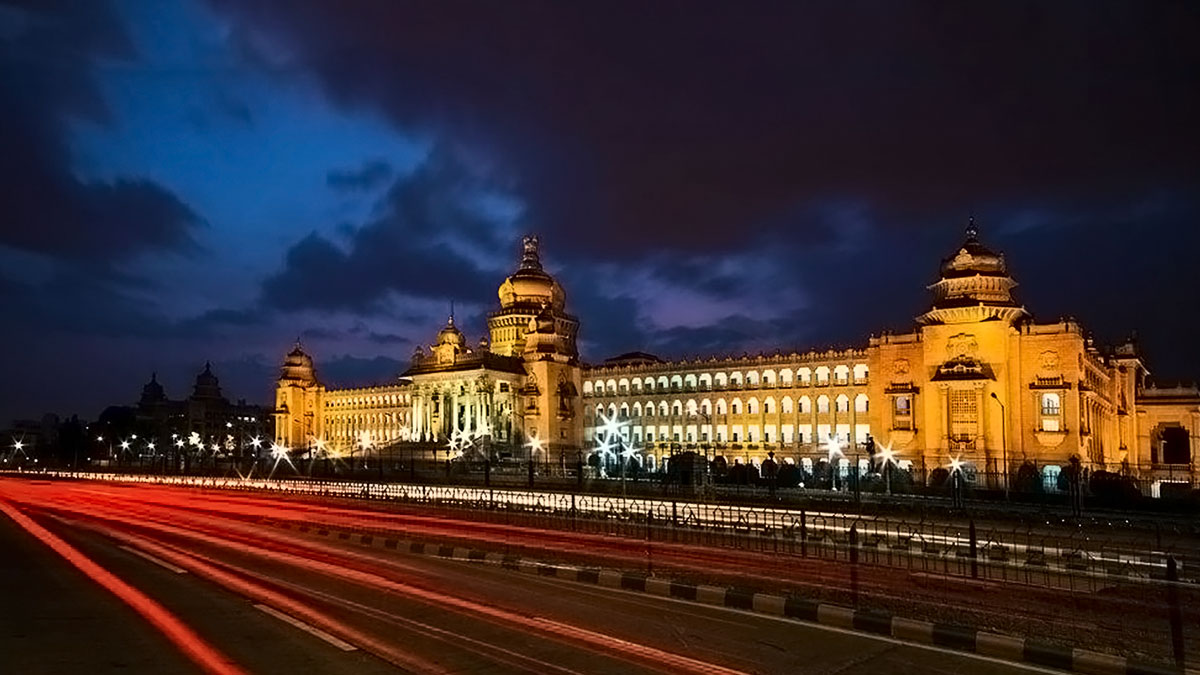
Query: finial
{"points": [[451, 322], [154, 376], [972, 231], [529, 253]]}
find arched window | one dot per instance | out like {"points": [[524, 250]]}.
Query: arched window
{"points": [[1051, 405], [662, 409], [769, 406], [735, 407], [624, 411], [752, 379], [860, 403], [823, 375], [720, 406], [841, 375], [705, 407], [752, 406], [823, 404], [787, 405], [805, 405], [677, 408], [637, 409]]}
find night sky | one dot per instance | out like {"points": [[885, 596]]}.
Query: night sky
{"points": [[189, 180]]}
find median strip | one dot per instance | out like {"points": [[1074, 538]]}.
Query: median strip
{"points": [[872, 622]]}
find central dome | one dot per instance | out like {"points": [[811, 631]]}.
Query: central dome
{"points": [[974, 258], [530, 284]]}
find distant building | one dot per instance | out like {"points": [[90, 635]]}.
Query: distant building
{"points": [[205, 416], [976, 380]]}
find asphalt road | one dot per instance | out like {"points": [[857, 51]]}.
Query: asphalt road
{"points": [[272, 601]]}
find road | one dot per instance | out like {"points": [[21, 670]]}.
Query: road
{"points": [[255, 599]]}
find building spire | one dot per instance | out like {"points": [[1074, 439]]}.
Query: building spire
{"points": [[530, 259], [451, 321], [972, 231]]}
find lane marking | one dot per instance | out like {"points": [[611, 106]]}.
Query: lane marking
{"points": [[156, 561], [311, 630], [204, 655]]}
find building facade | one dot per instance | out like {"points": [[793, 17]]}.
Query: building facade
{"points": [[513, 393], [977, 380]]}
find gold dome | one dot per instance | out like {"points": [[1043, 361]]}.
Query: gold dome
{"points": [[530, 284]]}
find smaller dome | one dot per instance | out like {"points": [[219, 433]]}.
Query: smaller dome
{"points": [[206, 377], [297, 358], [973, 258], [207, 384], [451, 335], [298, 366], [152, 391]]}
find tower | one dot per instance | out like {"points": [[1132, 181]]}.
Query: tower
{"points": [[299, 398]]}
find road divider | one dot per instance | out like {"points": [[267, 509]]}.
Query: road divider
{"points": [[884, 624]]}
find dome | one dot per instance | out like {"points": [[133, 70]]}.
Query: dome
{"points": [[451, 335], [152, 391], [298, 366], [207, 384], [974, 258], [530, 284]]}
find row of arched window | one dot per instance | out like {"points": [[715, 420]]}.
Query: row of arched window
{"points": [[786, 377], [735, 406], [370, 400]]}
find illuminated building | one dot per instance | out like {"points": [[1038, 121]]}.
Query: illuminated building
{"points": [[977, 380], [519, 383]]}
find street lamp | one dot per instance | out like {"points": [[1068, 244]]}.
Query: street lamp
{"points": [[1003, 441]]}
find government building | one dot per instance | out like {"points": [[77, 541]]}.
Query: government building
{"points": [[977, 381]]}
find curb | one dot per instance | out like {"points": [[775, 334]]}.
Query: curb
{"points": [[875, 622]]}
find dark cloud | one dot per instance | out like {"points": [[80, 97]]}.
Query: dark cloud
{"points": [[353, 371], [412, 248], [681, 124], [369, 176], [46, 83]]}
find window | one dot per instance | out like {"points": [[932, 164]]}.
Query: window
{"points": [[843, 404], [823, 404], [736, 408], [767, 407], [1051, 405], [903, 405]]}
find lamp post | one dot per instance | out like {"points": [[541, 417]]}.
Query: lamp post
{"points": [[1003, 440]]}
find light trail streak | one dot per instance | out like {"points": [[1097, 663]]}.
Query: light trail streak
{"points": [[153, 504], [348, 568], [184, 638]]}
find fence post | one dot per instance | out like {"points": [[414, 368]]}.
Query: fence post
{"points": [[974, 551], [649, 559], [854, 563], [803, 533], [1173, 609]]}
